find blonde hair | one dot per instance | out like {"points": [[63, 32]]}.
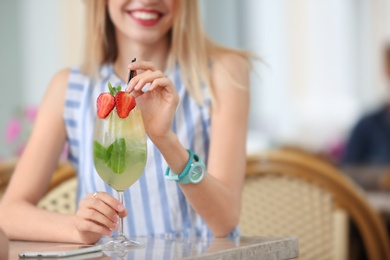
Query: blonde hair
{"points": [[190, 48]]}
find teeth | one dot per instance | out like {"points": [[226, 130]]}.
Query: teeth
{"points": [[145, 15]]}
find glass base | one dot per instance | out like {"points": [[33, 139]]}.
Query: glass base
{"points": [[120, 244]]}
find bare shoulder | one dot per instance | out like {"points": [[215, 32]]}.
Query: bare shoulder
{"points": [[60, 79], [231, 61], [56, 91], [62, 74], [230, 76]]}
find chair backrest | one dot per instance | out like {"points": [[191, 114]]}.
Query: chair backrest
{"points": [[61, 194], [295, 194]]}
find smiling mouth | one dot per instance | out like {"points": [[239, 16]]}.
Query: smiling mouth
{"points": [[146, 16]]}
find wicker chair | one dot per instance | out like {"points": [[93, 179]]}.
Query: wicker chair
{"points": [[294, 194], [60, 196]]}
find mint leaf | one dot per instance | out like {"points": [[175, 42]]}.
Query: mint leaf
{"points": [[114, 90], [108, 158], [114, 156], [111, 89], [118, 156], [118, 88], [99, 151], [109, 151]]}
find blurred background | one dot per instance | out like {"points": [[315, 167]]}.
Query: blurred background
{"points": [[321, 68]]}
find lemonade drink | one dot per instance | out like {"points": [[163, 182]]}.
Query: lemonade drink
{"points": [[119, 149]]}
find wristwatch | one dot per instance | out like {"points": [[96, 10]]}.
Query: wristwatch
{"points": [[193, 172]]}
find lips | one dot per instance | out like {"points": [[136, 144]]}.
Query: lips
{"points": [[146, 17]]}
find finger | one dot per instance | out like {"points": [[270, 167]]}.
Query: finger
{"points": [[142, 65], [123, 214], [84, 225], [161, 82], [133, 82], [98, 217], [112, 212], [109, 200], [137, 93], [103, 208], [147, 77]]}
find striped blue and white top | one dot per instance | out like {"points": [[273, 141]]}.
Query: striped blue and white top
{"points": [[155, 207]]}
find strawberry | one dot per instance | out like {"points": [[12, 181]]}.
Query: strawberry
{"points": [[125, 102], [105, 104]]}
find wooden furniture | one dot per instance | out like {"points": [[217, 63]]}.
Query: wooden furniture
{"points": [[290, 193], [178, 248]]}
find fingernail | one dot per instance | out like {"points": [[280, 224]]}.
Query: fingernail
{"points": [[114, 226], [115, 218], [108, 232], [120, 207], [146, 87]]}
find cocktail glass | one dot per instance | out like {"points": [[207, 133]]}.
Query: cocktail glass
{"points": [[119, 153]]}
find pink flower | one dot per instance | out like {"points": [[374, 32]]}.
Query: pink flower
{"points": [[13, 130], [30, 114]]}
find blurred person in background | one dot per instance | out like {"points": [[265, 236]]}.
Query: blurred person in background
{"points": [[367, 153], [369, 141]]}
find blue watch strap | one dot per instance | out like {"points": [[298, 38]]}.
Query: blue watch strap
{"points": [[193, 172], [170, 176], [196, 172]]}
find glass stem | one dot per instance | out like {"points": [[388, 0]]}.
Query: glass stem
{"points": [[120, 198]]}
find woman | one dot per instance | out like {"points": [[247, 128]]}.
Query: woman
{"points": [[201, 105]]}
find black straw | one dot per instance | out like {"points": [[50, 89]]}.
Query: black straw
{"points": [[131, 74]]}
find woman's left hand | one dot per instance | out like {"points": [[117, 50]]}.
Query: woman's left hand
{"points": [[158, 103]]}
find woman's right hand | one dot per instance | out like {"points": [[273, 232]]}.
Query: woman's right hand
{"points": [[98, 215], [158, 104]]}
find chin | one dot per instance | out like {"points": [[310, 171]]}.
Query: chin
{"points": [[147, 38]]}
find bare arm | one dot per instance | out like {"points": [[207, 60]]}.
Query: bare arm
{"points": [[20, 217], [218, 197]]}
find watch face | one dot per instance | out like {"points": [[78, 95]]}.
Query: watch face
{"points": [[197, 172]]}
